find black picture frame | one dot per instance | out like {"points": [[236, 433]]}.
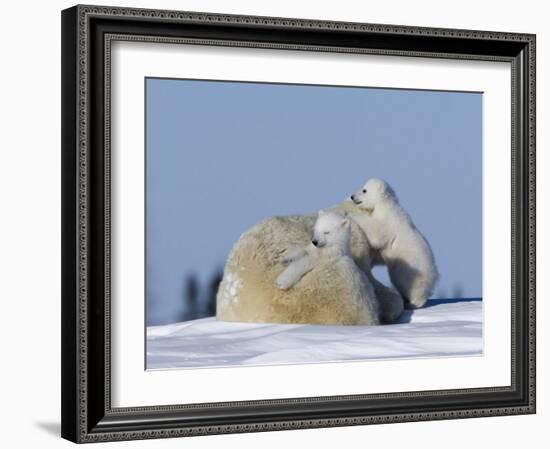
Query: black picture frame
{"points": [[87, 414]]}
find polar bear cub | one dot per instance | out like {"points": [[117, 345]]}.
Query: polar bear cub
{"points": [[396, 242], [329, 254]]}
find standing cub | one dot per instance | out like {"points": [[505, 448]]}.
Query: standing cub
{"points": [[396, 242]]}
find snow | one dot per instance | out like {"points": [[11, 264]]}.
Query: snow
{"points": [[442, 328]]}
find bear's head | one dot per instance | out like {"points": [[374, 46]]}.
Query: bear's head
{"points": [[374, 192], [331, 231]]}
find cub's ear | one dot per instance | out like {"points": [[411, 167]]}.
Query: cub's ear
{"points": [[345, 222]]}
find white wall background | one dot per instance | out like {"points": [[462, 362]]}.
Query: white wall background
{"points": [[30, 223]]}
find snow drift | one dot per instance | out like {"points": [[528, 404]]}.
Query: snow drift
{"points": [[442, 328]]}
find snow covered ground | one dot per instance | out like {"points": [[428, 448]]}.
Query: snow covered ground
{"points": [[443, 328]]}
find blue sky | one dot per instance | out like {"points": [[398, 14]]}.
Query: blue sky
{"points": [[222, 155]]}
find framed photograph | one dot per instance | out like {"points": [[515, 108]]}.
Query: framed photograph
{"points": [[274, 223]]}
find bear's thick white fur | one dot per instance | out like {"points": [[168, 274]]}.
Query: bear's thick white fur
{"points": [[248, 290], [395, 241]]}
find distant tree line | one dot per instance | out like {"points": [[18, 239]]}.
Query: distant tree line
{"points": [[457, 292], [199, 301]]}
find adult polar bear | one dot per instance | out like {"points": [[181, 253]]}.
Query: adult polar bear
{"points": [[248, 289]]}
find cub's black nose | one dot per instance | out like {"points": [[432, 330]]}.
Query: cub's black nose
{"points": [[352, 197], [315, 242]]}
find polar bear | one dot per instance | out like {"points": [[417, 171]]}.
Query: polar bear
{"points": [[396, 242], [248, 290], [317, 285]]}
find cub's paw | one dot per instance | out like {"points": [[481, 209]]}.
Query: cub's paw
{"points": [[283, 282]]}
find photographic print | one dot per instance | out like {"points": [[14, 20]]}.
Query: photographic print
{"points": [[297, 223]]}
